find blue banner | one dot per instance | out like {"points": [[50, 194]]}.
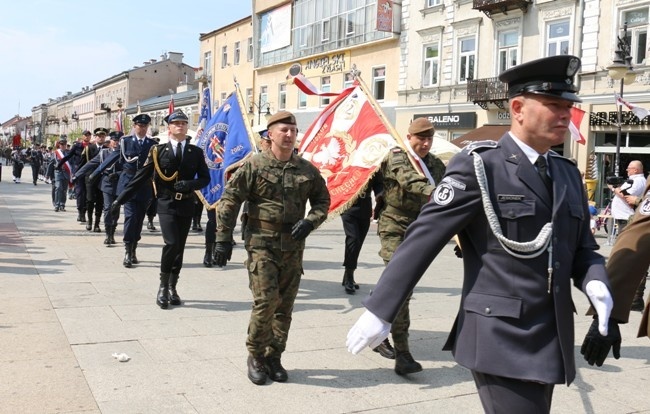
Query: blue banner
{"points": [[206, 107], [225, 142]]}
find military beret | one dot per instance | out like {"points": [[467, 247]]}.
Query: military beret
{"points": [[116, 135], [142, 119], [177, 115], [63, 139], [422, 127], [284, 117], [551, 76], [100, 130], [86, 132]]}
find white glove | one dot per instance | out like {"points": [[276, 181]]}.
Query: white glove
{"points": [[369, 330], [602, 301]]}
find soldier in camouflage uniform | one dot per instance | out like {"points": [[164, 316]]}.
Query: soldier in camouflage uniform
{"points": [[405, 192], [277, 183]]}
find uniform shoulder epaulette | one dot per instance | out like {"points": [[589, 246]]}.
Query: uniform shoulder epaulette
{"points": [[557, 156], [397, 150], [480, 145]]}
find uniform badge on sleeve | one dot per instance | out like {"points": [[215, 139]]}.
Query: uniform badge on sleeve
{"points": [[644, 208], [444, 194]]}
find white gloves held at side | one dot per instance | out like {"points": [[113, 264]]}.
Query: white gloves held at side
{"points": [[369, 330]]}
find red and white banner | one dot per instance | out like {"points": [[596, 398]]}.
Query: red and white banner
{"points": [[66, 166], [574, 125], [309, 88], [171, 106], [347, 143], [636, 109]]}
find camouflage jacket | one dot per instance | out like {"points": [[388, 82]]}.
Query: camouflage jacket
{"points": [[405, 192], [277, 193]]}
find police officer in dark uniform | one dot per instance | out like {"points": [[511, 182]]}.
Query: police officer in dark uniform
{"points": [[521, 215], [178, 168], [132, 156], [94, 199]]}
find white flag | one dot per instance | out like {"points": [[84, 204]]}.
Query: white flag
{"points": [[637, 110]]}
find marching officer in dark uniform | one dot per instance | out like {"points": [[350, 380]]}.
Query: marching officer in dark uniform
{"points": [[132, 156], [521, 215], [76, 161], [94, 199], [178, 168]]}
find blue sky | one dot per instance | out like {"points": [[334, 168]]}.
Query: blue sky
{"points": [[48, 47]]}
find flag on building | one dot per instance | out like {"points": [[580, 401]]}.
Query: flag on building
{"points": [[206, 108], [224, 142], [637, 110], [574, 125], [347, 143], [171, 105], [118, 121]]}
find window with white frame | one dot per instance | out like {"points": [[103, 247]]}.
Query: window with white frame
{"points": [[432, 3], [224, 96], [379, 82], [557, 37], [325, 30], [637, 31], [302, 100], [224, 56], [249, 54], [430, 69], [249, 98], [466, 58], [207, 63], [348, 80], [508, 49], [325, 86], [264, 97], [282, 96], [235, 58]]}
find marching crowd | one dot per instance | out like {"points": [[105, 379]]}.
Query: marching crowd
{"points": [[519, 212]]}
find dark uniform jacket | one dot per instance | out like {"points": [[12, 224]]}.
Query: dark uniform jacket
{"points": [[192, 169], [508, 324], [107, 177]]}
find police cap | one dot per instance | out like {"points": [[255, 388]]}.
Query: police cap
{"points": [[143, 119], [177, 115], [284, 117], [116, 135], [86, 132], [551, 76], [422, 127], [100, 130]]}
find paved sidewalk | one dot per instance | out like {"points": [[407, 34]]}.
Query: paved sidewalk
{"points": [[67, 305]]}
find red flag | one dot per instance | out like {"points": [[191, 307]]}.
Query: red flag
{"points": [[118, 121], [171, 106], [574, 125], [347, 142]]}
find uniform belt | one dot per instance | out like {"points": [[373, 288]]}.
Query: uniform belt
{"points": [[267, 225], [405, 213], [174, 195]]}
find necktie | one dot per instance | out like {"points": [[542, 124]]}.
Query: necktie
{"points": [[542, 170], [179, 153]]}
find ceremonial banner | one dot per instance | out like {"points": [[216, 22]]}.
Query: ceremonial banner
{"points": [[224, 142], [206, 108], [639, 111], [574, 125], [347, 143]]}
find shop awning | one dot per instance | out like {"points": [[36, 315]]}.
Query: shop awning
{"points": [[493, 132]]}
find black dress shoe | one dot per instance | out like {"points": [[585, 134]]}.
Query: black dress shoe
{"points": [[257, 370], [385, 349], [162, 299], [276, 371], [405, 364]]}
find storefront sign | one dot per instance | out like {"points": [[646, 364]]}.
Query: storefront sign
{"points": [[326, 64], [611, 119], [503, 116], [460, 120]]}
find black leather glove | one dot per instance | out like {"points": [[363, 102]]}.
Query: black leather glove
{"points": [[182, 186], [380, 204], [115, 208], [113, 176], [73, 180], [222, 253], [301, 230], [458, 252], [595, 347], [58, 166]]}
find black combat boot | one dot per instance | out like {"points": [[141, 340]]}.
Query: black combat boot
{"points": [[96, 228], [276, 371], [111, 234], [81, 217], [385, 349], [162, 299], [89, 223], [348, 281], [107, 240], [208, 257], [150, 225], [128, 256], [257, 369], [134, 258], [405, 364], [637, 303], [174, 299]]}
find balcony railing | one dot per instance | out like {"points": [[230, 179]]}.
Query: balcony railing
{"points": [[487, 90], [491, 7]]}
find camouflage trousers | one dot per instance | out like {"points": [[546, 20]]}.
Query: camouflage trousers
{"points": [[399, 329], [274, 279]]}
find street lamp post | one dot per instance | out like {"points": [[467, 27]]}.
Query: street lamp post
{"points": [[260, 108], [622, 69]]}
